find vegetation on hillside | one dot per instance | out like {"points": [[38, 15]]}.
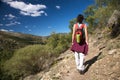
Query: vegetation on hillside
{"points": [[97, 15], [31, 59], [9, 42]]}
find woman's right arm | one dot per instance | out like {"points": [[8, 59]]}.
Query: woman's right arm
{"points": [[86, 34], [73, 33]]}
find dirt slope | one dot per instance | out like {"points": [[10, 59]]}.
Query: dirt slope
{"points": [[101, 63]]}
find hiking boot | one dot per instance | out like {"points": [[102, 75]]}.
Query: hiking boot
{"points": [[81, 72]]}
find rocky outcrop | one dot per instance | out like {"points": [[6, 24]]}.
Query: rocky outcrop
{"points": [[114, 24]]}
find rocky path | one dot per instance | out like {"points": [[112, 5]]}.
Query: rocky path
{"points": [[100, 64], [65, 69]]}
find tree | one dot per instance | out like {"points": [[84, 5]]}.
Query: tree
{"points": [[90, 11], [72, 22], [99, 13]]}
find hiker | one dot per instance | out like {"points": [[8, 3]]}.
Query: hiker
{"points": [[79, 42]]}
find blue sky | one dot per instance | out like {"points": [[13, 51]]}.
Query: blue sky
{"points": [[40, 17]]}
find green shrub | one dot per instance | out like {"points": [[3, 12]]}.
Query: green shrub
{"points": [[58, 43], [26, 61]]}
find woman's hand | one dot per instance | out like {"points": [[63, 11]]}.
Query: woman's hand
{"points": [[87, 42], [72, 43]]}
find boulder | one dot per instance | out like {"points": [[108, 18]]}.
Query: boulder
{"points": [[114, 24]]}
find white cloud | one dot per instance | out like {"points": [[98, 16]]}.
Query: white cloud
{"points": [[26, 27], [6, 0], [29, 30], [37, 13], [24, 13], [27, 9], [12, 23], [45, 14], [1, 24], [58, 7], [49, 27], [4, 30], [12, 20], [10, 16], [11, 30]]}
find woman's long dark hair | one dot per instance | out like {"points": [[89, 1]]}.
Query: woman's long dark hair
{"points": [[80, 18]]}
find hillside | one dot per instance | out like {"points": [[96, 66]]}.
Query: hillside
{"points": [[23, 38], [10, 41], [24, 54], [101, 63]]}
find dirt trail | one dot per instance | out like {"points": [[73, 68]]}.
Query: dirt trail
{"points": [[65, 69], [100, 64]]}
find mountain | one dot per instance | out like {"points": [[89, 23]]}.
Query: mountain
{"points": [[10, 41], [23, 38]]}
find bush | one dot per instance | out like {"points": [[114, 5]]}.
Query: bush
{"points": [[58, 43], [26, 61]]}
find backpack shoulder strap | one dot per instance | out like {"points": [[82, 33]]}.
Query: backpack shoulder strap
{"points": [[83, 25], [76, 26]]}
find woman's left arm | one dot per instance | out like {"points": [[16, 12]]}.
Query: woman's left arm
{"points": [[86, 34]]}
